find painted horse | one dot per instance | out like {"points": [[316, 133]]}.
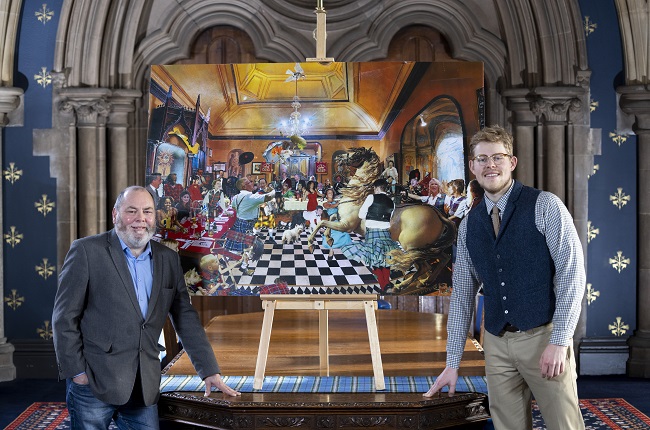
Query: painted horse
{"points": [[424, 233]]}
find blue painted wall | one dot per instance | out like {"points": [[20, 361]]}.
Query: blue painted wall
{"points": [[30, 275], [611, 276]]}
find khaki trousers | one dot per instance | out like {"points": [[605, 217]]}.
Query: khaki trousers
{"points": [[514, 376]]}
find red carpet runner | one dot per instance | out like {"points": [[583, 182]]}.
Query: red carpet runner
{"points": [[599, 414]]}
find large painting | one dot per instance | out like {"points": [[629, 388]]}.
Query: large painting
{"points": [[308, 178]]}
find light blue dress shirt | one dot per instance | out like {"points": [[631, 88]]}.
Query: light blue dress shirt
{"points": [[141, 269]]}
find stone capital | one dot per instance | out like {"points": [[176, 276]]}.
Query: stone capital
{"points": [[635, 100], [556, 111], [122, 104], [9, 101], [561, 105], [519, 102], [89, 105]]}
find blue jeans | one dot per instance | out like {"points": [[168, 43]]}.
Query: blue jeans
{"points": [[88, 412]]}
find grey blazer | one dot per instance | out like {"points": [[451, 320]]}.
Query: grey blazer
{"points": [[98, 326]]}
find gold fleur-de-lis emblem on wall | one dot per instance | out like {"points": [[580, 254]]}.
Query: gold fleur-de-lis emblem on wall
{"points": [[12, 174], [593, 105], [619, 328], [44, 14], [589, 26], [594, 170], [13, 238], [45, 331], [618, 138], [45, 269], [592, 294], [14, 300], [44, 205], [43, 78], [619, 199], [619, 262], [592, 232]]}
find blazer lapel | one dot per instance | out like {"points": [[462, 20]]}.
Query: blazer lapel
{"points": [[119, 260]]}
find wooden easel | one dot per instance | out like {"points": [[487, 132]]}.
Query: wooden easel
{"points": [[322, 303]]}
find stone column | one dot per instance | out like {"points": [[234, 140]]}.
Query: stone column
{"points": [[553, 108], [523, 130], [122, 107], [91, 109], [555, 151], [635, 100], [9, 101]]}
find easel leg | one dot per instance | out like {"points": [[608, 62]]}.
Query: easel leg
{"points": [[265, 338], [373, 337], [323, 342]]}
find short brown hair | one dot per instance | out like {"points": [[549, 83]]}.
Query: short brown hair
{"points": [[240, 183], [492, 134]]}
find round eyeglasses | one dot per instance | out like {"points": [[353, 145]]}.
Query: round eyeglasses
{"points": [[483, 159]]}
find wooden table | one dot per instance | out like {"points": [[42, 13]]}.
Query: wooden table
{"points": [[412, 344]]}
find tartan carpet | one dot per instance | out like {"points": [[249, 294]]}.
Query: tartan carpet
{"points": [[599, 414]]}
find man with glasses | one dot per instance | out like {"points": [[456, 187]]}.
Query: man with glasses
{"points": [[521, 245]]}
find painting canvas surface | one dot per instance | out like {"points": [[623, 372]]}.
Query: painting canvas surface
{"points": [[306, 142]]}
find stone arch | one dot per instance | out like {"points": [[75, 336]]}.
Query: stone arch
{"points": [[172, 41], [546, 43], [461, 28]]}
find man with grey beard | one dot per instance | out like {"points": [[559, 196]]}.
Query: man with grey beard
{"points": [[115, 292]]}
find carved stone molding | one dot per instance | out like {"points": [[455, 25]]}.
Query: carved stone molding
{"points": [[9, 100], [122, 104], [555, 111], [89, 106], [635, 100], [518, 102], [633, 20], [583, 78]]}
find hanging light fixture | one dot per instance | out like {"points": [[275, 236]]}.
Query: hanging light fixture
{"points": [[294, 127], [422, 123]]}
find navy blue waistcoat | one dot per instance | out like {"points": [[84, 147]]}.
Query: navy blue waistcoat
{"points": [[516, 267]]}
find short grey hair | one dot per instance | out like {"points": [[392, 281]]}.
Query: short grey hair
{"points": [[120, 198]]}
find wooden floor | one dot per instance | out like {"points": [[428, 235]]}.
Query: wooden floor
{"points": [[411, 343]]}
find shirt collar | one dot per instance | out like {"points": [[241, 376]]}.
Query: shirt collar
{"points": [[127, 250], [501, 203]]}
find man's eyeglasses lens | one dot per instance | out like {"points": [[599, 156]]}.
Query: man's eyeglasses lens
{"points": [[497, 158]]}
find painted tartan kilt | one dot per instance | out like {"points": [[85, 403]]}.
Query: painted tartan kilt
{"points": [[373, 249], [237, 239]]}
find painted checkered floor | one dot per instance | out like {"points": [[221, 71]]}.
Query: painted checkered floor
{"points": [[305, 272]]}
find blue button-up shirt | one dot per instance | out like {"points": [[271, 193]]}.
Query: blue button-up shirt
{"points": [[141, 269]]}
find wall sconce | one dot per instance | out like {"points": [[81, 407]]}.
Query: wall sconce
{"points": [[422, 123]]}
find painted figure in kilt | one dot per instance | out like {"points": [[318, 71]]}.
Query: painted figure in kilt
{"points": [[424, 234], [246, 204], [377, 210]]}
